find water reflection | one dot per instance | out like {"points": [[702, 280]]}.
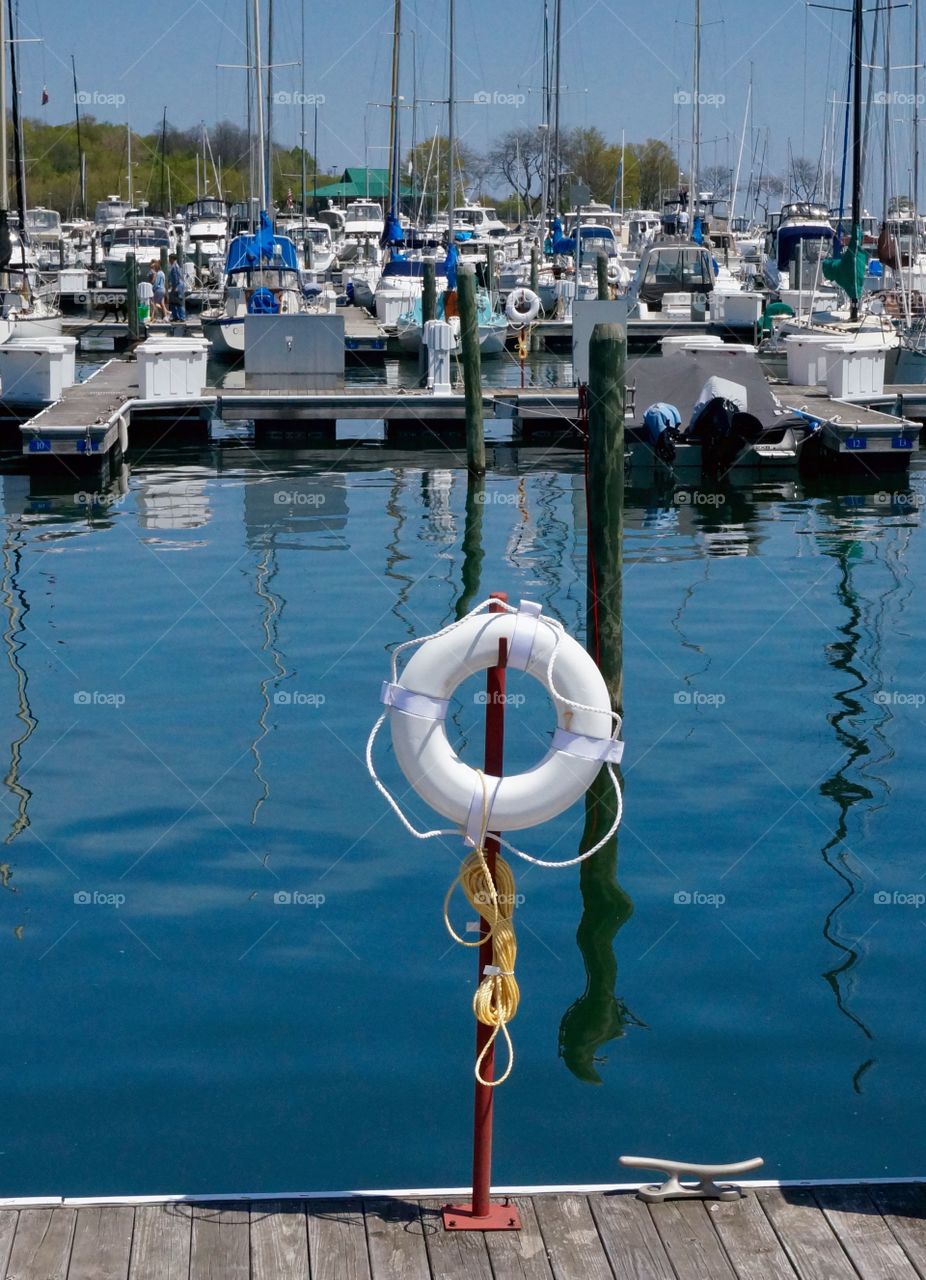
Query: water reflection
{"points": [[599, 1015], [16, 609], [856, 649]]}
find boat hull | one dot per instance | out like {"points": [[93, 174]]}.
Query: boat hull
{"points": [[225, 335]]}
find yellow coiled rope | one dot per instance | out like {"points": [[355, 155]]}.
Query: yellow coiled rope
{"points": [[497, 996]]}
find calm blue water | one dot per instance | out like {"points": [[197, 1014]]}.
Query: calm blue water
{"points": [[190, 671]]}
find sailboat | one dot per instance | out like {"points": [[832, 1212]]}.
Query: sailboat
{"points": [[261, 269], [847, 269], [492, 326]]}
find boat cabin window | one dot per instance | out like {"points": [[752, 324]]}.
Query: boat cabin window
{"points": [[43, 220], [140, 237], [686, 268], [363, 213]]}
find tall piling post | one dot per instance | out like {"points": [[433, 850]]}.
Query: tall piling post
{"points": [[604, 287], [472, 370], [428, 309], [490, 269], [607, 357], [131, 296]]}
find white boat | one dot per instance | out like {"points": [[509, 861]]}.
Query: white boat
{"points": [[206, 226], [43, 229], [143, 237], [681, 271], [314, 241], [262, 278], [492, 326], [482, 222], [794, 247]]}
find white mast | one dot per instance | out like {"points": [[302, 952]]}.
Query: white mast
{"points": [[451, 147], [259, 100]]}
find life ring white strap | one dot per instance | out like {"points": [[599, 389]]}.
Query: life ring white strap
{"points": [[413, 704], [479, 818], [577, 744], [522, 638]]}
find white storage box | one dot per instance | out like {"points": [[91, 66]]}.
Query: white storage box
{"points": [[690, 342], [855, 370], [73, 280], [171, 367], [807, 358], [739, 309], [36, 371]]}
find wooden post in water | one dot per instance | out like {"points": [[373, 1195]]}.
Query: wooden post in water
{"points": [[428, 310], [472, 370], [60, 255], [607, 356], [604, 288], [490, 269], [131, 296]]}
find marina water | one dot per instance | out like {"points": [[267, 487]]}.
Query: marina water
{"points": [[225, 964]]}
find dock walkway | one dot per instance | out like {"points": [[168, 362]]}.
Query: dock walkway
{"points": [[846, 1232]]}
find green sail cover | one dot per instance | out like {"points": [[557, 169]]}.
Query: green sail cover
{"points": [[848, 270]]}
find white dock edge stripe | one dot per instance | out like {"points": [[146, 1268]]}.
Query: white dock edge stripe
{"points": [[413, 704], [392, 1193], [577, 744], [522, 638]]}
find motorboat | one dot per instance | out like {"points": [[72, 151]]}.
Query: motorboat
{"points": [[143, 237], [683, 272]]}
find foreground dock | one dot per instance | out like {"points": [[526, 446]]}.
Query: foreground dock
{"points": [[845, 1232]]}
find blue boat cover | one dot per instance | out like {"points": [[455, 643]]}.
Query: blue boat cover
{"points": [[245, 253], [788, 238]]}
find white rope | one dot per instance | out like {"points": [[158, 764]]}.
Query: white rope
{"points": [[559, 630]]}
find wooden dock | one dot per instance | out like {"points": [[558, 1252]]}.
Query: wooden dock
{"points": [[850, 1232]]}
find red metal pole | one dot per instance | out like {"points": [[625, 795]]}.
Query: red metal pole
{"points": [[481, 1214]]}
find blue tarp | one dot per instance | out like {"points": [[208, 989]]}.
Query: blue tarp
{"points": [[697, 233], [245, 253], [392, 231], [561, 243], [450, 266]]}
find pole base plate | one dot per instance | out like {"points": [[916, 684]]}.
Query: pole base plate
{"points": [[501, 1217]]}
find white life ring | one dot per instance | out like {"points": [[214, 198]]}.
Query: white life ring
{"points": [[522, 307], [582, 742]]}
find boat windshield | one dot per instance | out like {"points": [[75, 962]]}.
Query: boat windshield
{"points": [[140, 237], [43, 220], [682, 267], [804, 209], [363, 213]]}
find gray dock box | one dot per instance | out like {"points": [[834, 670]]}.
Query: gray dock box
{"points": [[294, 352]]}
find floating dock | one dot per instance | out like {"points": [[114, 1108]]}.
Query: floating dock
{"points": [[840, 1232]]}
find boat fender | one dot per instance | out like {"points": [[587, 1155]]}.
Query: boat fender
{"points": [[522, 307], [417, 708]]}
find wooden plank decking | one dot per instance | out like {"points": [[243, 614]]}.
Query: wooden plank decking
{"points": [[859, 1232]]}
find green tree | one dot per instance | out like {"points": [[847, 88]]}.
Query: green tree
{"points": [[590, 159], [426, 170]]}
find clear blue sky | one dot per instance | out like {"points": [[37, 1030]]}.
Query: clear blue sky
{"points": [[623, 62]]}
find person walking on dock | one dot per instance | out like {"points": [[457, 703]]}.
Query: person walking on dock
{"points": [[159, 284], [177, 289]]}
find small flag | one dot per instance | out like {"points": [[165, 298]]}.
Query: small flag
{"points": [[44, 96]]}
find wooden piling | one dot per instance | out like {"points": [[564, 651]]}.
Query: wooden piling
{"points": [[428, 291], [490, 269], [472, 370], [606, 377], [131, 296], [604, 288]]}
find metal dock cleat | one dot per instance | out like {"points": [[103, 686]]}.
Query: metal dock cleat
{"points": [[706, 1187]]}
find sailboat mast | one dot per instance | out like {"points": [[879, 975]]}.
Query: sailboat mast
{"points": [[856, 128], [18, 158], [916, 130], [4, 159], [302, 129], [270, 100], [80, 150], [394, 113], [557, 33], [693, 195], [259, 104], [451, 123], [128, 152]]}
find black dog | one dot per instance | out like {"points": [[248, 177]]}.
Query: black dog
{"points": [[115, 307]]}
